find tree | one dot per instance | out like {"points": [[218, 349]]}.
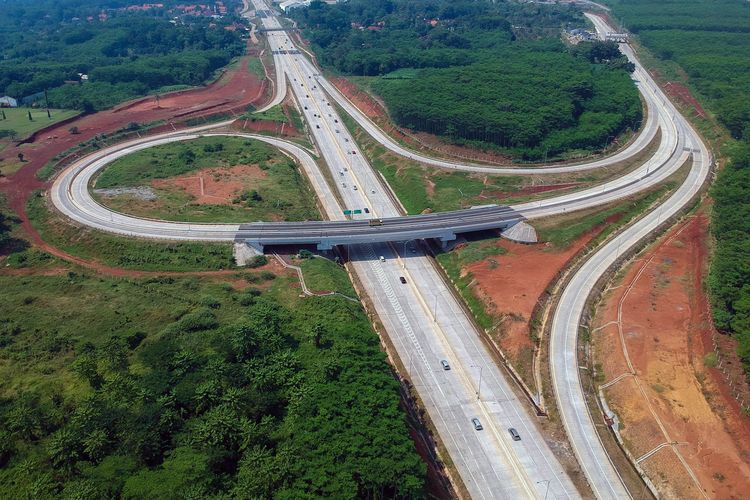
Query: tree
{"points": [[63, 450]]}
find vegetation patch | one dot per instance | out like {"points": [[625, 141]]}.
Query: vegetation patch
{"points": [[211, 179], [323, 275], [123, 52], [441, 74], [179, 387], [127, 253], [15, 124]]}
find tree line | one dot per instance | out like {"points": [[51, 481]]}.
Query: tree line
{"points": [[492, 75], [127, 55]]}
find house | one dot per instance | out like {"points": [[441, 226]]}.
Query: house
{"points": [[293, 4], [8, 102]]}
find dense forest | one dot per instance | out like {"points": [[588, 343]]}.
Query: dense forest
{"points": [[177, 388], [45, 45], [710, 40], [486, 73]]}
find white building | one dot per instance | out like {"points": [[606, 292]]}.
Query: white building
{"points": [[8, 102], [293, 4]]}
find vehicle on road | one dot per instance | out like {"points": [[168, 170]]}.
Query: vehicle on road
{"points": [[367, 210], [402, 279], [355, 188], [477, 424], [445, 364], [382, 259], [514, 433], [376, 222]]}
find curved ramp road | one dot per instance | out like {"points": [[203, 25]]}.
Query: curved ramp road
{"points": [[579, 424], [271, 22]]}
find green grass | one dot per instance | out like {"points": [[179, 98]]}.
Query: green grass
{"points": [[45, 317], [279, 192], [323, 275], [180, 158], [561, 233], [127, 253], [172, 88], [255, 66], [454, 261], [274, 114], [421, 188], [17, 119], [452, 265]]}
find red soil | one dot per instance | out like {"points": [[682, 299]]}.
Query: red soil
{"points": [[231, 94], [666, 327], [213, 186], [681, 93], [513, 284]]}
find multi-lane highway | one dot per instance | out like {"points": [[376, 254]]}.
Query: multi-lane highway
{"points": [[421, 316]]}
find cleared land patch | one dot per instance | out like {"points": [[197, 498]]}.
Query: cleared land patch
{"points": [[658, 312], [211, 179]]}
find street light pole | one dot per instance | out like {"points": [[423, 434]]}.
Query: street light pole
{"points": [[546, 490], [434, 309], [479, 386]]}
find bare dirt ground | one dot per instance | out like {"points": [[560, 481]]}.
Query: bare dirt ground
{"points": [[232, 93], [213, 186], [654, 329], [511, 285], [678, 91]]}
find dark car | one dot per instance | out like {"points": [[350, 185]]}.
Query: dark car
{"points": [[514, 433], [402, 279]]}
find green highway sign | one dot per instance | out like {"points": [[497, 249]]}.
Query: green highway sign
{"points": [[357, 211], [347, 212]]}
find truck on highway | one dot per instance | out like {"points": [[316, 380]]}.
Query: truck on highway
{"points": [[376, 222]]}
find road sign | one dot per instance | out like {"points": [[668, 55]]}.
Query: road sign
{"points": [[347, 212], [357, 211]]}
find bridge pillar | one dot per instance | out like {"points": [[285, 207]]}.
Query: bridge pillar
{"points": [[323, 245], [255, 246], [445, 239]]}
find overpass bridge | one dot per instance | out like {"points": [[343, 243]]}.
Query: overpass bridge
{"points": [[325, 235]]}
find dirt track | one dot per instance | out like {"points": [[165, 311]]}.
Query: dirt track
{"points": [[656, 320]]}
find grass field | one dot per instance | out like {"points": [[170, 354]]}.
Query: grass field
{"points": [[127, 253], [274, 114], [17, 119], [561, 231], [255, 66], [322, 275], [276, 191]]}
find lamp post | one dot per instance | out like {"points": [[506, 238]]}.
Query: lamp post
{"points": [[479, 385], [546, 490]]}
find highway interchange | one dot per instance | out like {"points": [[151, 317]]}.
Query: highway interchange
{"points": [[422, 318]]}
